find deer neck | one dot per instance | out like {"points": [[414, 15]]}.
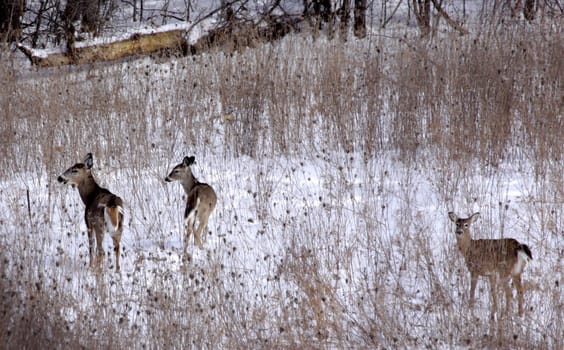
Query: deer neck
{"points": [[464, 243], [88, 189], [189, 182]]}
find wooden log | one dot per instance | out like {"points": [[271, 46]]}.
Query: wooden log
{"points": [[136, 44]]}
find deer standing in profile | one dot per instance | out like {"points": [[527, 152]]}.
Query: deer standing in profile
{"points": [[200, 203], [104, 210], [504, 258]]}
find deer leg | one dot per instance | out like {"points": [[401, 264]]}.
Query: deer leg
{"points": [[189, 228], [508, 294], [190, 216], [117, 239], [205, 231], [519, 287], [473, 281], [91, 246], [197, 239], [99, 246], [494, 293], [202, 226]]}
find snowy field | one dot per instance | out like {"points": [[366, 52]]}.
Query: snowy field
{"points": [[290, 239], [315, 242]]}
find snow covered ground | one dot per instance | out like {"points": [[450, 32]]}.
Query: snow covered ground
{"points": [[374, 233], [313, 247]]}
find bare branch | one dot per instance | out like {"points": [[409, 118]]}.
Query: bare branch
{"points": [[454, 24]]}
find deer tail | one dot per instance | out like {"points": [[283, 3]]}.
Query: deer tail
{"points": [[112, 213], [192, 211], [525, 249]]}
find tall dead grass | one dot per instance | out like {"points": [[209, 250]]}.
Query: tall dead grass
{"points": [[360, 265]]}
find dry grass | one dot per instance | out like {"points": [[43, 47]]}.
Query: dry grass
{"points": [[381, 123]]}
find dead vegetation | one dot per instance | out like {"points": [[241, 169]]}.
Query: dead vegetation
{"points": [[359, 265]]}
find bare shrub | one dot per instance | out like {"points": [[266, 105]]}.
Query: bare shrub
{"points": [[335, 165]]}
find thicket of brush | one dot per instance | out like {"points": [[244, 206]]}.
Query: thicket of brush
{"points": [[454, 109]]}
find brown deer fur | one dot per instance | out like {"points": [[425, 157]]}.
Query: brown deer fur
{"points": [[104, 210], [503, 258], [200, 203]]}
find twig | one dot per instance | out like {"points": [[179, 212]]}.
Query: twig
{"points": [[28, 207], [449, 20]]}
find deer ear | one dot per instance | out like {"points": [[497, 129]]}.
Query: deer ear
{"points": [[475, 216], [88, 161], [452, 216], [189, 160]]}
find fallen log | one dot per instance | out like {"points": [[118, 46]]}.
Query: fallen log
{"points": [[135, 44], [237, 35], [231, 36]]}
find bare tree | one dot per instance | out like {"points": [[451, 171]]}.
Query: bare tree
{"points": [[85, 11], [422, 11], [318, 12], [344, 12], [529, 10], [437, 4], [322, 9], [138, 7], [10, 13], [360, 18], [188, 8]]}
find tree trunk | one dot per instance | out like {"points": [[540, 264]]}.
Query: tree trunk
{"points": [[85, 11], [360, 18], [529, 10], [422, 11], [345, 15], [10, 13], [322, 9]]}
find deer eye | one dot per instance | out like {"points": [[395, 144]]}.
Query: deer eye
{"points": [[74, 171]]}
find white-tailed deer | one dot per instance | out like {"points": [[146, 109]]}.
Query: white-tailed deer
{"points": [[200, 203], [503, 258], [104, 210]]}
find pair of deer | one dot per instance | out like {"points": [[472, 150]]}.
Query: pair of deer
{"points": [[505, 258], [104, 210]]}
